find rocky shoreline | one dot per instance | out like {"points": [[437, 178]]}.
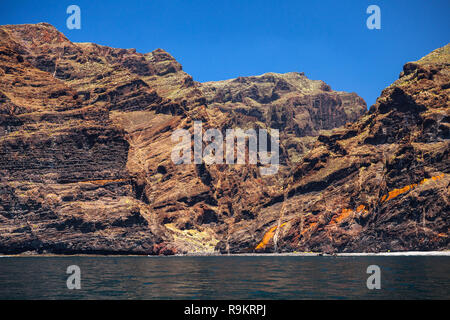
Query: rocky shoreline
{"points": [[445, 253], [86, 141]]}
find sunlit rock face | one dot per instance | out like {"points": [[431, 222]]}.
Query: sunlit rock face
{"points": [[86, 141], [298, 107], [378, 184]]}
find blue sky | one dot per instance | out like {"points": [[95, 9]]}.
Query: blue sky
{"points": [[216, 40]]}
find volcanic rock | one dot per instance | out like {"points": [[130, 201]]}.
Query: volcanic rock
{"points": [[86, 141]]}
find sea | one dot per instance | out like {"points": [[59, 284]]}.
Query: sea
{"points": [[256, 277]]}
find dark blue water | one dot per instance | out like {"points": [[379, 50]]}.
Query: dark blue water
{"points": [[256, 277]]}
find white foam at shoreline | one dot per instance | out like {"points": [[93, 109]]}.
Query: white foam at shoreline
{"points": [[395, 254], [315, 254], [285, 254]]}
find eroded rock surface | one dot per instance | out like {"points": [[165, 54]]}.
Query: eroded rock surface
{"points": [[85, 144], [379, 184]]}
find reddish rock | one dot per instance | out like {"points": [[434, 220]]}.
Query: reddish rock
{"points": [[85, 143]]}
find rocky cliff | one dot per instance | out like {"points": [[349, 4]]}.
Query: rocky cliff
{"points": [[298, 107], [85, 143], [379, 184]]}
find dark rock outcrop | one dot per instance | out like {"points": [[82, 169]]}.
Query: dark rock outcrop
{"points": [[85, 144], [378, 184]]}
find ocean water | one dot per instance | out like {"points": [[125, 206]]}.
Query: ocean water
{"points": [[225, 277]]}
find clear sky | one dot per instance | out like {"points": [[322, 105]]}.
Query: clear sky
{"points": [[216, 40]]}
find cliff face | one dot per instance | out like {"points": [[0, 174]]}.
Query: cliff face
{"points": [[85, 143], [289, 102], [378, 184], [66, 185], [298, 107]]}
